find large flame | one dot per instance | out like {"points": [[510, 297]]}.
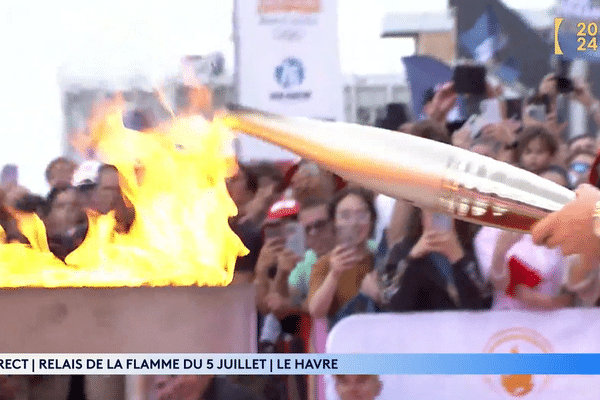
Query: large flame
{"points": [[174, 176]]}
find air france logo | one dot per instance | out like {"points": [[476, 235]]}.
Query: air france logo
{"points": [[289, 73]]}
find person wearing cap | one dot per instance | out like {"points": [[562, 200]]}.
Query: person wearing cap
{"points": [[98, 189], [85, 179], [283, 246]]}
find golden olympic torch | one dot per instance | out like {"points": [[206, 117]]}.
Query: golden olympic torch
{"points": [[431, 175]]}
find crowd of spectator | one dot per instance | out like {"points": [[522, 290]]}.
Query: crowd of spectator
{"points": [[324, 248]]}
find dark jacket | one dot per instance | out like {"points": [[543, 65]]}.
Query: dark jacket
{"points": [[251, 237], [422, 287]]}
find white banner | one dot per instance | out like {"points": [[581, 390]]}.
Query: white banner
{"points": [[287, 57], [564, 331]]}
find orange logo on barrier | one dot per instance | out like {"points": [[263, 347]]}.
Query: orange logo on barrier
{"points": [[518, 340], [302, 6]]}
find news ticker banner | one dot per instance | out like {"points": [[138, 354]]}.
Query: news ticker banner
{"points": [[300, 364]]}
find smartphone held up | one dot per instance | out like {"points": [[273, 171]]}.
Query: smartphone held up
{"points": [[290, 233], [469, 79], [433, 221], [294, 235], [347, 235], [9, 176], [561, 73], [538, 107], [441, 222]]}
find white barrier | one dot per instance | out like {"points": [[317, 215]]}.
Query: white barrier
{"points": [[564, 331]]}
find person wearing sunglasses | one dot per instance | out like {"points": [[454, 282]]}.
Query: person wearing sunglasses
{"points": [[320, 239], [579, 165]]}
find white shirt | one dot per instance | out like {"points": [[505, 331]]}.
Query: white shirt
{"points": [[550, 264], [385, 207]]}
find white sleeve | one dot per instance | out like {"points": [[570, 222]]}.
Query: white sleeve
{"points": [[484, 245], [495, 276], [385, 207]]}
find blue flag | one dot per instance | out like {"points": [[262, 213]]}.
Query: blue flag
{"points": [[502, 35], [485, 38], [423, 73], [509, 71]]}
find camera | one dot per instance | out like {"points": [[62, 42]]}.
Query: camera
{"points": [[469, 79], [561, 73], [538, 106]]}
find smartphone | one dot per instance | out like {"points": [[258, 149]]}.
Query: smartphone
{"points": [[9, 175], [514, 108], [564, 85], [346, 236], [469, 79], [561, 73], [537, 112], [441, 222], [294, 235]]}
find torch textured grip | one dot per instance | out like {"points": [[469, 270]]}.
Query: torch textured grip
{"points": [[429, 174]]}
